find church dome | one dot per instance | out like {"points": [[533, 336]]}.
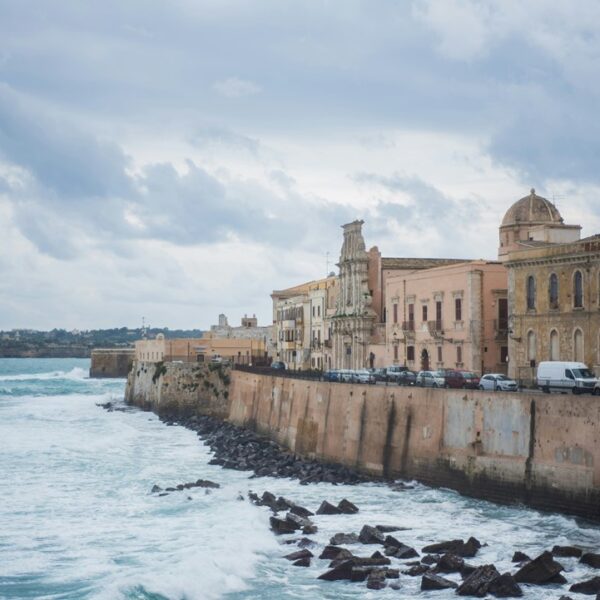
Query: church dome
{"points": [[532, 209]]}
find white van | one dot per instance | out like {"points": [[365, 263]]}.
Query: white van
{"points": [[565, 376]]}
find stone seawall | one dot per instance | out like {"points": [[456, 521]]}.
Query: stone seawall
{"points": [[541, 450], [536, 449], [111, 362], [179, 389]]}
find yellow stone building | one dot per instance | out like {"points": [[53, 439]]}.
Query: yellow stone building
{"points": [[553, 286]]}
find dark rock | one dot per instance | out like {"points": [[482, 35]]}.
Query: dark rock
{"points": [[390, 528], [205, 483], [567, 551], [520, 557], [429, 559], [557, 579], [302, 562], [591, 559], [339, 572], [360, 573], [171, 489], [301, 511], [370, 535], [589, 587], [505, 586], [310, 529], [280, 527], [333, 552], [478, 582], [569, 598], [155, 489], [163, 494], [305, 543], [300, 554], [466, 549], [401, 487], [376, 579], [399, 550], [363, 561], [328, 509], [450, 563], [297, 521], [416, 570], [539, 571], [466, 570], [347, 508], [431, 581], [396, 585], [343, 538]]}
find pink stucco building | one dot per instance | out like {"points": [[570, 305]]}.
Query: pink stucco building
{"points": [[453, 316]]}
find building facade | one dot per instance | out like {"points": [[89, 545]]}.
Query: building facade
{"points": [[554, 305], [302, 326], [453, 316]]}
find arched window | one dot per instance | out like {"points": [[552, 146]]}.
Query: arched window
{"points": [[578, 345], [554, 345], [578, 290], [530, 293], [531, 346], [553, 291]]}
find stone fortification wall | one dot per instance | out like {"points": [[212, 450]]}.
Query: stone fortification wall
{"points": [[179, 389], [108, 362], [536, 449]]}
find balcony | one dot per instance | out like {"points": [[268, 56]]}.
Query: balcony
{"points": [[500, 329], [408, 328], [435, 328]]}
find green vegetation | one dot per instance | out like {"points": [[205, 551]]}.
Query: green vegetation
{"points": [[159, 370]]}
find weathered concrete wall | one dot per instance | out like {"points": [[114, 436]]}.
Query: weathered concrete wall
{"points": [[539, 450], [179, 389], [109, 362]]}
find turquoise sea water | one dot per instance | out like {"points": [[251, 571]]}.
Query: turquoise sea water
{"points": [[77, 519]]}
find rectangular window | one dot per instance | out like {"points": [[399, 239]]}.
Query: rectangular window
{"points": [[439, 354], [410, 353], [424, 312], [458, 309], [459, 354], [396, 352], [411, 313], [395, 312], [503, 354], [438, 315], [319, 310], [313, 311]]}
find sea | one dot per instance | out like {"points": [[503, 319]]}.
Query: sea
{"points": [[78, 519]]}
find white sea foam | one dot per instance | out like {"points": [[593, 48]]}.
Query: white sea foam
{"points": [[76, 373], [77, 519]]}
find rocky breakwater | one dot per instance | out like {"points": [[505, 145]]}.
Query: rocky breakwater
{"points": [[243, 450]]}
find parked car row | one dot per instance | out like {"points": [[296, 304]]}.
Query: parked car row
{"points": [[350, 376]]}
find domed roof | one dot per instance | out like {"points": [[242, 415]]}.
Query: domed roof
{"points": [[532, 209]]}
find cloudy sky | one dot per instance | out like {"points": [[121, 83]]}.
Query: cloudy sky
{"points": [[179, 159]]}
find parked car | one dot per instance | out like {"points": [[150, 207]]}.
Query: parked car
{"points": [[564, 376], [596, 391], [278, 364], [407, 378], [393, 372], [331, 375], [379, 374], [430, 379], [345, 375], [498, 382], [461, 379], [363, 376]]}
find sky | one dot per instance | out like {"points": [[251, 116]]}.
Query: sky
{"points": [[177, 160]]}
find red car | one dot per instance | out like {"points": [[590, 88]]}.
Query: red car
{"points": [[461, 380]]}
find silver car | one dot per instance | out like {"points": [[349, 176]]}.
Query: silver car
{"points": [[497, 382], [430, 379]]}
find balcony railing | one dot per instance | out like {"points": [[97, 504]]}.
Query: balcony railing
{"points": [[435, 327], [408, 326], [500, 329]]}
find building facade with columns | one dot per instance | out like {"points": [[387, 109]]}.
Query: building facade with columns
{"points": [[554, 289]]}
